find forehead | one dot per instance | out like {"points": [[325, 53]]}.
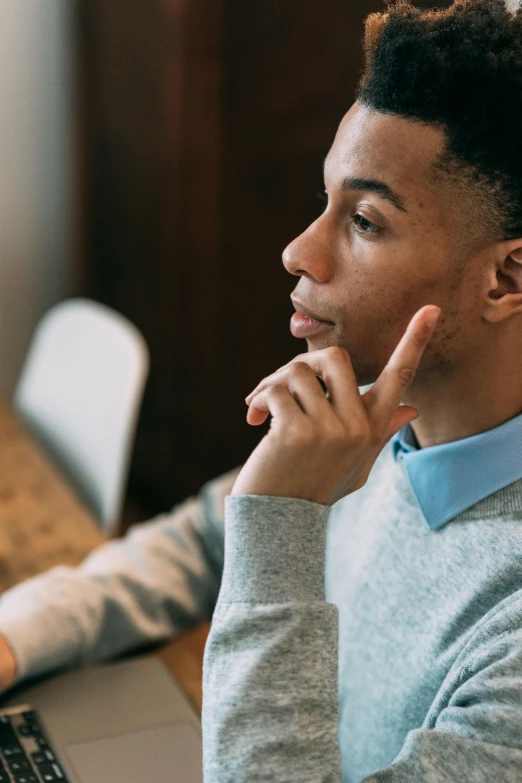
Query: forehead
{"points": [[398, 151]]}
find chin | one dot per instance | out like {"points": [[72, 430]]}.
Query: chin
{"points": [[364, 375], [318, 343]]}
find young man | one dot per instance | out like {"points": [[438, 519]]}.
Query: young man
{"points": [[368, 624]]}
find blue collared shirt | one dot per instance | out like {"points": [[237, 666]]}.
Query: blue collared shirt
{"points": [[449, 478]]}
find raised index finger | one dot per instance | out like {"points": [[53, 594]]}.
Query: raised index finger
{"points": [[386, 394]]}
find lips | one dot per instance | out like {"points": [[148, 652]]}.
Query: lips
{"points": [[306, 311]]}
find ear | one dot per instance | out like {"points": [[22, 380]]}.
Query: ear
{"points": [[505, 281], [516, 254]]}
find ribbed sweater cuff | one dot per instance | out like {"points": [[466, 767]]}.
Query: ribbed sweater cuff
{"points": [[274, 549]]}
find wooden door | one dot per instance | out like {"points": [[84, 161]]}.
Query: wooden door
{"points": [[204, 125]]}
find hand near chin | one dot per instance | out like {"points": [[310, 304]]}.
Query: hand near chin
{"points": [[322, 448]]}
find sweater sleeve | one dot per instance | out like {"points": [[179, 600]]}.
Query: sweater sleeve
{"points": [[270, 702], [162, 578], [270, 677]]}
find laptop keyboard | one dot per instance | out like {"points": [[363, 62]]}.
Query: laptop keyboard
{"points": [[26, 755]]}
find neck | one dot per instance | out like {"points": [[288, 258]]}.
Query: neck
{"points": [[458, 406]]}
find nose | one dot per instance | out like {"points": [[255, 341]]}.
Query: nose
{"points": [[310, 254]]}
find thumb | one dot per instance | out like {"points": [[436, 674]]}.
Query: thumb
{"points": [[403, 415]]}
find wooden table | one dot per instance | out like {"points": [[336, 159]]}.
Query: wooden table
{"points": [[43, 524]]}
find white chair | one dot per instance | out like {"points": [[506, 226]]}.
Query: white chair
{"points": [[80, 392]]}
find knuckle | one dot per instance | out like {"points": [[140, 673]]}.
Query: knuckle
{"points": [[275, 390], [406, 372], [337, 352], [299, 369]]}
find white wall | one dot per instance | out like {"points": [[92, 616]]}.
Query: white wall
{"points": [[35, 171]]}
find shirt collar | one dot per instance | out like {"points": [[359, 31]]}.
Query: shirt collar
{"points": [[450, 478]]}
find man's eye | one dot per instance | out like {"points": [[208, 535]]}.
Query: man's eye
{"points": [[364, 226]]}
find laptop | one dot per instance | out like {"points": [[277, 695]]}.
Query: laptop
{"points": [[122, 722]]}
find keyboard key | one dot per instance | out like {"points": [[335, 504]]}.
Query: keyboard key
{"points": [[42, 757], [29, 729], [24, 731], [7, 736], [13, 751], [21, 765], [4, 777], [26, 778], [29, 715], [51, 773]]}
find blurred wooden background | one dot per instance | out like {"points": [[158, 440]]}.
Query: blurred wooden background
{"points": [[203, 128]]}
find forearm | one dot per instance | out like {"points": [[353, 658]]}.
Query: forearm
{"points": [[270, 687], [160, 579]]}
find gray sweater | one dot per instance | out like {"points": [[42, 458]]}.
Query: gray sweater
{"points": [[404, 665], [348, 644]]}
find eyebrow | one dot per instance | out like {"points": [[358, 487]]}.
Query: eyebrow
{"points": [[373, 186]]}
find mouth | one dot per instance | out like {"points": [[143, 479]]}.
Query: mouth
{"points": [[300, 308]]}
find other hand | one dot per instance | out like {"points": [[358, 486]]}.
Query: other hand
{"points": [[7, 665]]}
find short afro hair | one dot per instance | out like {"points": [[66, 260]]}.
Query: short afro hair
{"points": [[459, 69]]}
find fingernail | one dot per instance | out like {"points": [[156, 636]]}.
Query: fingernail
{"points": [[432, 316]]}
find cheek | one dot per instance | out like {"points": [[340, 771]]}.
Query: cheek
{"points": [[455, 334], [382, 294], [450, 344], [377, 277], [376, 317], [377, 295]]}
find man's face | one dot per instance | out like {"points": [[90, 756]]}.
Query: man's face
{"points": [[371, 282]]}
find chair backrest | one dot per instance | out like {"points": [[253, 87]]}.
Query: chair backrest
{"points": [[80, 392]]}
